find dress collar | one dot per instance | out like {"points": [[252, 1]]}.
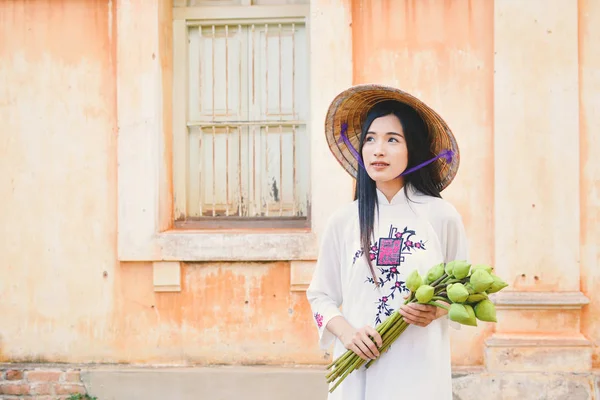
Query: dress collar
{"points": [[399, 198]]}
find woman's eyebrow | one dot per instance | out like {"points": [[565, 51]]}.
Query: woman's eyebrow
{"points": [[387, 133]]}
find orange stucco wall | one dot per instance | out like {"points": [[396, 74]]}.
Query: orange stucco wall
{"points": [[58, 181], [589, 84]]}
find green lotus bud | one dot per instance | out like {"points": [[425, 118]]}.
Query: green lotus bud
{"points": [[489, 269], [481, 281], [472, 319], [435, 273], [459, 313], [424, 294], [485, 310], [497, 286], [460, 269], [449, 268], [414, 281], [457, 293], [476, 298]]}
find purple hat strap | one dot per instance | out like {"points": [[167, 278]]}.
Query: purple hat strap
{"points": [[446, 154]]}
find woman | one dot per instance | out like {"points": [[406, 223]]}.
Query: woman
{"points": [[402, 155]]}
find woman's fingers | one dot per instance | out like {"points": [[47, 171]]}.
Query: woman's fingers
{"points": [[418, 314], [358, 351], [370, 345], [372, 332], [364, 350]]}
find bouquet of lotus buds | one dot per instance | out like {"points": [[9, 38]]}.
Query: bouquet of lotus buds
{"points": [[458, 283]]}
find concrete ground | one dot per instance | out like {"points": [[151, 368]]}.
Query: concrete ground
{"points": [[305, 383], [214, 383]]}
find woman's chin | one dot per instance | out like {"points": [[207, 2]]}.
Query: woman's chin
{"points": [[387, 178]]}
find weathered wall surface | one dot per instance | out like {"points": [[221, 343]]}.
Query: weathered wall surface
{"points": [[58, 180], [589, 97], [64, 295]]}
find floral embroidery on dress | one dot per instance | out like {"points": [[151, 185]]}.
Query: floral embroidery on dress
{"points": [[319, 319], [389, 253]]}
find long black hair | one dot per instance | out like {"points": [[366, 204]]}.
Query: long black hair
{"points": [[417, 143]]}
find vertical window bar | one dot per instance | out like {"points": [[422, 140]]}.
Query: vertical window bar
{"points": [[240, 171], [280, 72], [280, 169], [266, 69], [227, 170], [226, 115], [266, 167], [227, 71], [214, 188], [294, 79], [240, 116], [200, 72], [254, 172], [200, 199], [294, 168], [295, 199], [213, 76], [253, 49]]}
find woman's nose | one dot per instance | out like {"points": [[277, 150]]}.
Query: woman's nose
{"points": [[378, 149]]}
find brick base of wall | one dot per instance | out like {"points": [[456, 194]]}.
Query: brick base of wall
{"points": [[23, 382]]}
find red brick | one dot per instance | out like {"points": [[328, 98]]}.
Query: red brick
{"points": [[43, 376], [41, 388], [69, 389], [14, 375], [72, 376], [14, 388]]}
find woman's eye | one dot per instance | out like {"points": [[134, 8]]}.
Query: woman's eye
{"points": [[393, 140], [369, 139]]}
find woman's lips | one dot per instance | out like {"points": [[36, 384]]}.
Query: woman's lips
{"points": [[379, 165]]}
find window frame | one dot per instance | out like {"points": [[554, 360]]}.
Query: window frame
{"points": [[146, 116], [191, 16]]}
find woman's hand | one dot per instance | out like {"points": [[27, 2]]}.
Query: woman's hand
{"points": [[360, 342], [421, 314]]}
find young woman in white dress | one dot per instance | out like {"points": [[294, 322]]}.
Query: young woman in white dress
{"points": [[402, 155]]}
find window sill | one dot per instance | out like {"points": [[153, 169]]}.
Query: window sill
{"points": [[223, 246]]}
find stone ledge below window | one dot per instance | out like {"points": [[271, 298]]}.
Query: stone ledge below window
{"points": [[223, 246]]}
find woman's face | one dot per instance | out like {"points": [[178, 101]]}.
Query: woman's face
{"points": [[384, 152]]}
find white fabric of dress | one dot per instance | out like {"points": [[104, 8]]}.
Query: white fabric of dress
{"points": [[413, 232]]}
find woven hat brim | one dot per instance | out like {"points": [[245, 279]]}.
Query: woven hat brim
{"points": [[351, 107]]}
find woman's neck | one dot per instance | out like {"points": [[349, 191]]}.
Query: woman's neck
{"points": [[390, 188]]}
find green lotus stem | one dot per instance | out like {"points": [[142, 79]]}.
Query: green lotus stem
{"points": [[355, 365], [387, 345], [344, 365], [441, 298], [383, 328], [392, 332], [440, 279], [435, 303], [336, 362], [393, 335], [341, 380], [445, 282], [389, 331]]}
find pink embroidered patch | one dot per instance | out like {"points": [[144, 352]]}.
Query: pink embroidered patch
{"points": [[389, 252], [319, 319]]}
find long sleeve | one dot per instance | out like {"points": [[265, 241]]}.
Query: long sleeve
{"points": [[325, 290], [454, 245]]}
